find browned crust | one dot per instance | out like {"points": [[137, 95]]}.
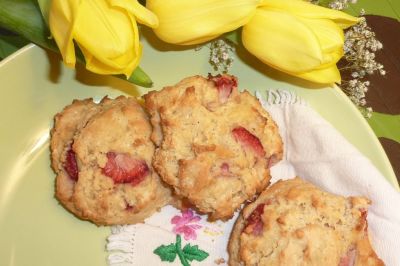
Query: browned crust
{"points": [[66, 124], [292, 190], [188, 155], [366, 256], [69, 124]]}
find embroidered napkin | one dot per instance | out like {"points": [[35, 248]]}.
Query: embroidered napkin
{"points": [[315, 151]]}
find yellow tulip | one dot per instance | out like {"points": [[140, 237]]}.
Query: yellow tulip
{"points": [[188, 22], [105, 31], [298, 38]]}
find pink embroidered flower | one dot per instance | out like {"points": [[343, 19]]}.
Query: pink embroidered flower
{"points": [[186, 224]]}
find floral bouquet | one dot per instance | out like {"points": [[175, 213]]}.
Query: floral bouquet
{"points": [[297, 37]]}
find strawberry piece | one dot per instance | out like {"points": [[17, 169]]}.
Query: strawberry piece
{"points": [[123, 168], [70, 165], [128, 207], [254, 223], [248, 140], [350, 258], [225, 85], [225, 169]]}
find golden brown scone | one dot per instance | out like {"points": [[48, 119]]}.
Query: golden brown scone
{"points": [[112, 179], [295, 223], [215, 144], [66, 123]]}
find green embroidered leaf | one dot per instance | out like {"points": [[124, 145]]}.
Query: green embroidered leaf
{"points": [[166, 253], [194, 253]]}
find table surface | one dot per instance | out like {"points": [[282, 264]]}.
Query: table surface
{"points": [[384, 95]]}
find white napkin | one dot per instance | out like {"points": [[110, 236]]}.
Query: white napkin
{"points": [[315, 151]]}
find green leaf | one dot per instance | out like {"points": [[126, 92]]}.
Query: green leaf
{"points": [[24, 18], [166, 253], [324, 3], [385, 125], [233, 36], [10, 44], [386, 8], [140, 77], [194, 253], [44, 6]]}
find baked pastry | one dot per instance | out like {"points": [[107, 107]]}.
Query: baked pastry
{"points": [[295, 223], [66, 124], [215, 144], [108, 163]]}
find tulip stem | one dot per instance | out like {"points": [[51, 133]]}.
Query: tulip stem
{"points": [[24, 18]]}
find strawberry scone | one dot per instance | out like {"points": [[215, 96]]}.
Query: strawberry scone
{"points": [[215, 145], [109, 164], [66, 124], [295, 223]]}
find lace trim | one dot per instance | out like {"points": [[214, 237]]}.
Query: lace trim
{"points": [[279, 97], [120, 245]]}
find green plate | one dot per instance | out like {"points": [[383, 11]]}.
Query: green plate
{"points": [[34, 228]]}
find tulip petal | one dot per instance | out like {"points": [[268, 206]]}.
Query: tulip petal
{"points": [[105, 34], [124, 63], [331, 59], [191, 22], [306, 9], [142, 14], [282, 41], [330, 37], [327, 75], [62, 17], [329, 34], [97, 66], [103, 30]]}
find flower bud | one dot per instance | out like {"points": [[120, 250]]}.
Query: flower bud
{"points": [[191, 22], [298, 38], [105, 31]]}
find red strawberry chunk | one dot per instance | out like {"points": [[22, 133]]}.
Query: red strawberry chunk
{"points": [[254, 223], [225, 84], [70, 165], [349, 258], [248, 140], [123, 168], [128, 207], [225, 169]]}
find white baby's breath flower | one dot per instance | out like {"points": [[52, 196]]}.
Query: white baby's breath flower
{"points": [[359, 54], [337, 4], [221, 55]]}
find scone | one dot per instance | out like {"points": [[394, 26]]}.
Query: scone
{"points": [[215, 145], [66, 123], [108, 165], [295, 223]]}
